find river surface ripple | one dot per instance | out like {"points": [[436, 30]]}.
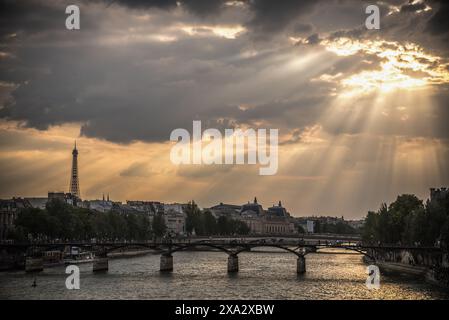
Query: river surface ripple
{"points": [[203, 275]]}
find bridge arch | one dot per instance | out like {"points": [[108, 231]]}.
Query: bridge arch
{"points": [[110, 249], [361, 251], [249, 247], [181, 247]]}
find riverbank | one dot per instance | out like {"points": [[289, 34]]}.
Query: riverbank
{"points": [[433, 275], [17, 261]]}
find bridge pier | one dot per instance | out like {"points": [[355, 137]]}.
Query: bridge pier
{"points": [[34, 264], [166, 263], [233, 263], [100, 264], [301, 265]]}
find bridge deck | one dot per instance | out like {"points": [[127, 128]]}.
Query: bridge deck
{"points": [[222, 243]]}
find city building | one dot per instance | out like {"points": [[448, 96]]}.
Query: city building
{"points": [[64, 197], [274, 225], [310, 226], [174, 207], [173, 213], [123, 208], [252, 209], [99, 205], [175, 222], [255, 224], [175, 218], [274, 220], [278, 211], [307, 224], [149, 207], [9, 210], [37, 202]]}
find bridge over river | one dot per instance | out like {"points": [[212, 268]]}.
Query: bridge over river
{"points": [[231, 246]]}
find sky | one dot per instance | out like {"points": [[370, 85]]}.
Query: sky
{"points": [[362, 114]]}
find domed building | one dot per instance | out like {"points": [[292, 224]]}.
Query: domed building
{"points": [[252, 209], [275, 220], [278, 211]]}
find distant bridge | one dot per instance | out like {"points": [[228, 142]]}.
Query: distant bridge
{"points": [[231, 246]]}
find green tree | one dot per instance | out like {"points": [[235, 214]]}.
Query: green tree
{"points": [[370, 228], [241, 228], [399, 211], [300, 229], [144, 227], [223, 225], [194, 219], [408, 221], [158, 225], [209, 223]]}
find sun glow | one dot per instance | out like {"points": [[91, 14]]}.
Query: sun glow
{"points": [[402, 66], [385, 80]]}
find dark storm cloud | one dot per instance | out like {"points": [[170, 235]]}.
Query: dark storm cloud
{"points": [[274, 16], [300, 28], [400, 21], [439, 22], [204, 7], [200, 7], [267, 16], [35, 17], [142, 91], [119, 100], [265, 19], [143, 4], [306, 110], [27, 16]]}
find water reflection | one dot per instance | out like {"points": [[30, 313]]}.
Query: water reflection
{"points": [[203, 275]]}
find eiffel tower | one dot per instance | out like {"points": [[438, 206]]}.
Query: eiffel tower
{"points": [[74, 182]]}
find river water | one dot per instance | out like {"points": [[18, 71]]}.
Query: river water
{"points": [[203, 275]]}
